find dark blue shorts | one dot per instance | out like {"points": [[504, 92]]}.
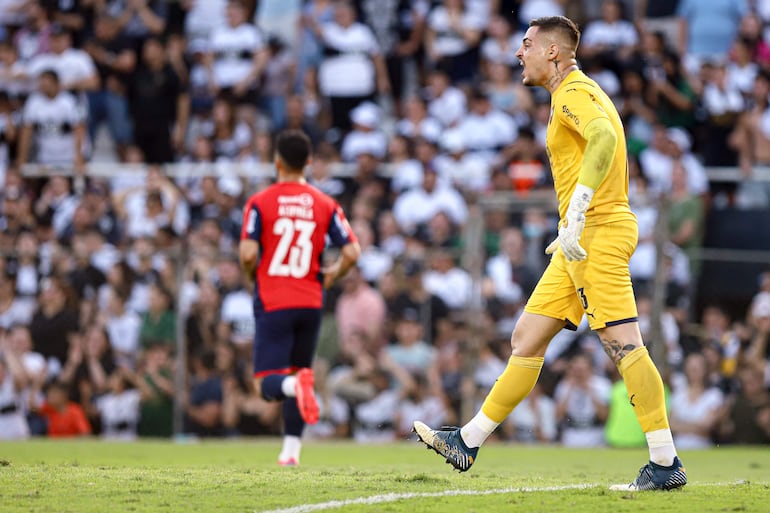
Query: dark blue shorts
{"points": [[285, 340]]}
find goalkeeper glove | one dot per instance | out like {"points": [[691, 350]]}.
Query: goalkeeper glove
{"points": [[572, 225]]}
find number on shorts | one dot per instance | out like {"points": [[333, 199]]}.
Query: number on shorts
{"points": [[583, 298], [292, 258]]}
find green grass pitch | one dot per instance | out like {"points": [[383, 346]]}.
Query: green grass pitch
{"points": [[86, 476]]}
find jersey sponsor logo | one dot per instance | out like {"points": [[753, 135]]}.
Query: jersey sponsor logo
{"points": [[570, 115], [304, 200]]}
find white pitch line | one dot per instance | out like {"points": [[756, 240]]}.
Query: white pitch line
{"points": [[393, 497]]}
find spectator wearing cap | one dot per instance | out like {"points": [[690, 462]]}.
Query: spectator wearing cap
{"points": [[466, 170], [115, 60], [360, 315], [418, 205], [53, 125], [352, 69], [657, 161], [365, 136], [238, 56], [160, 105], [34, 37], [446, 103]]}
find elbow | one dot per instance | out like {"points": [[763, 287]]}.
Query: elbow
{"points": [[352, 252]]}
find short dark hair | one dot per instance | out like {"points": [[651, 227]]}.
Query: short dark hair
{"points": [[50, 73], [293, 148], [561, 24]]}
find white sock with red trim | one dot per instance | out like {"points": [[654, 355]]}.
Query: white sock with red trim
{"points": [[288, 386]]}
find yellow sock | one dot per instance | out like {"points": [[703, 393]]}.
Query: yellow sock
{"points": [[645, 389], [513, 385]]}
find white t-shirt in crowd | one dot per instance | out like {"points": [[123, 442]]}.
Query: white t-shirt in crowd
{"points": [[620, 33], [417, 206], [124, 332], [204, 17], [54, 121], [72, 66], [685, 409], [449, 108], [454, 287], [238, 310], [120, 414], [234, 50], [448, 41], [347, 68]]}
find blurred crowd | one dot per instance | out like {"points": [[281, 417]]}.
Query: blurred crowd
{"points": [[120, 296]]}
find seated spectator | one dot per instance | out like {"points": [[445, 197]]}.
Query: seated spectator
{"points": [[420, 401], [13, 383], [723, 102], [741, 69], [158, 322], [155, 381], [448, 281], [534, 419], [359, 309], [410, 351], [203, 411], [123, 327], [366, 137], [64, 418], [119, 407], [54, 323], [467, 170], [418, 205], [695, 407], [415, 121], [582, 400], [446, 103], [657, 161], [751, 136], [374, 419], [746, 420]]}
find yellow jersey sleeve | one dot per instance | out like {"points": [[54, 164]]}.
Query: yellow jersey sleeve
{"points": [[576, 108]]}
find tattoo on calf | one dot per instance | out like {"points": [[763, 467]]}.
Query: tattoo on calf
{"points": [[616, 350]]}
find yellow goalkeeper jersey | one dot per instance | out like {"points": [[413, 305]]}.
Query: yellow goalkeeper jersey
{"points": [[574, 105]]}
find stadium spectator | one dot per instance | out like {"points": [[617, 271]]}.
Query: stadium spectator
{"points": [[203, 409], [154, 380], [34, 37], [448, 281], [751, 135], [446, 103], [534, 419], [159, 321], [13, 382], [123, 327], [611, 40], [139, 19], [707, 29], [582, 400], [52, 125], [359, 309], [353, 68], [695, 406], [467, 171], [452, 37], [119, 407], [115, 60], [159, 104], [511, 277], [746, 420], [418, 205], [54, 323], [63, 417], [419, 401]]}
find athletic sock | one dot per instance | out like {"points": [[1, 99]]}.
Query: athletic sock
{"points": [[477, 430], [292, 445], [517, 380], [272, 387], [661, 444], [513, 385], [647, 397], [288, 386]]}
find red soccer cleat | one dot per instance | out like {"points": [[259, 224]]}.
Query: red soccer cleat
{"points": [[308, 407], [291, 462]]}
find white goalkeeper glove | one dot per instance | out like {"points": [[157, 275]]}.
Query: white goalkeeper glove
{"points": [[572, 225]]}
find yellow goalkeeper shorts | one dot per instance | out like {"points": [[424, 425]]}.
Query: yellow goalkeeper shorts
{"points": [[599, 286]]}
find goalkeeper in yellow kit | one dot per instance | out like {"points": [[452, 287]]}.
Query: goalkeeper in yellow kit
{"points": [[588, 273]]}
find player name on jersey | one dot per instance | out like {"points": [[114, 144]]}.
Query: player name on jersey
{"points": [[300, 206]]}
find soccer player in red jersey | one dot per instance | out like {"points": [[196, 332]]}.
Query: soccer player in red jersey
{"points": [[285, 230]]}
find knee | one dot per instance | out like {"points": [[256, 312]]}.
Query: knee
{"points": [[525, 343]]}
